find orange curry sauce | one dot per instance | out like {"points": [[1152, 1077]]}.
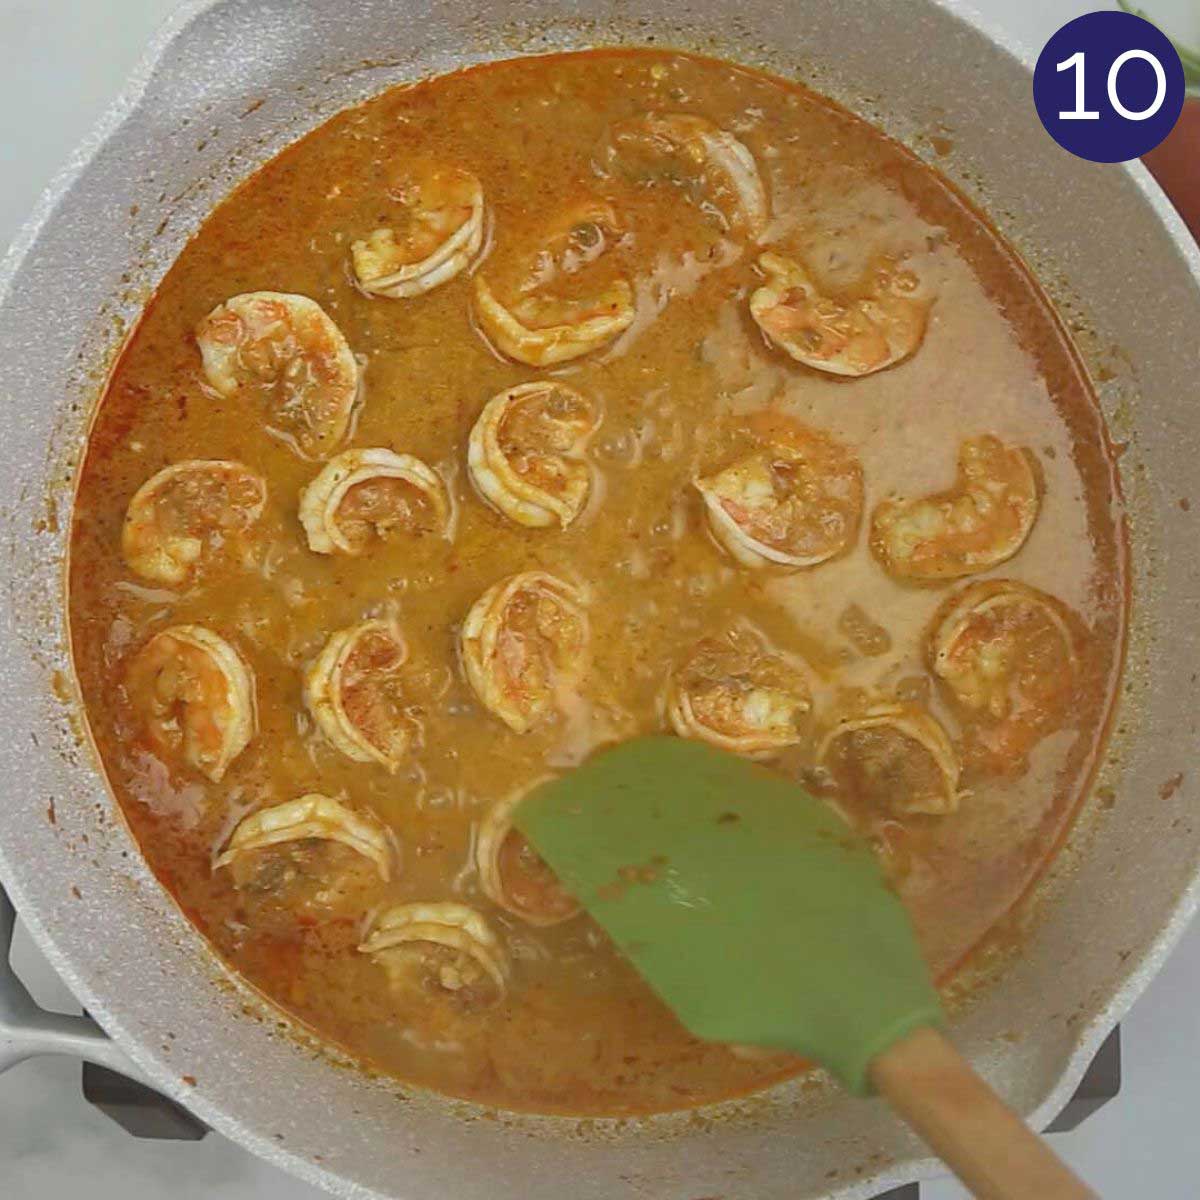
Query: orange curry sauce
{"points": [[688, 386]]}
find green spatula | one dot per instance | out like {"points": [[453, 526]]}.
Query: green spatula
{"points": [[760, 918]]}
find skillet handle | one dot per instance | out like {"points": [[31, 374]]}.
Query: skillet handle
{"points": [[27, 1030]]}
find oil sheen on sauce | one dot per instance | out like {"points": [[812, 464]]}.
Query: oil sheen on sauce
{"points": [[577, 1031]]}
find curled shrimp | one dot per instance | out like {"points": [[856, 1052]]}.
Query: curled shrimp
{"points": [[980, 522], [564, 304], [527, 452], [362, 496], [523, 641], [793, 502], [306, 861], [735, 693], [353, 690], [195, 697], [307, 817], [438, 230], [1007, 654], [848, 336], [442, 952], [185, 512], [285, 351], [895, 757], [714, 169], [513, 875]]}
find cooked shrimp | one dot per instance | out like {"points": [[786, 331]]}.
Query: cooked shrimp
{"points": [[981, 521], [896, 757], [285, 351], [444, 952], [310, 817], [295, 885], [526, 452], [556, 312], [795, 502], [439, 231], [353, 690], [1003, 646], [734, 692], [186, 511], [544, 330], [364, 495], [195, 695], [523, 642], [513, 875], [716, 171], [840, 336], [1007, 653]]}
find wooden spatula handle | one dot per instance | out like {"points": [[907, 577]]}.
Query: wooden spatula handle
{"points": [[929, 1083]]}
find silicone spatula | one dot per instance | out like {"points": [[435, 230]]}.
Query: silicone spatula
{"points": [[759, 917]]}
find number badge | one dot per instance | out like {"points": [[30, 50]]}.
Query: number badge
{"points": [[1108, 86]]}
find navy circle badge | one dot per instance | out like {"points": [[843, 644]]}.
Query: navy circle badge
{"points": [[1108, 86]]}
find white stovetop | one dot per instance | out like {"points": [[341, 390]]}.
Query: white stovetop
{"points": [[61, 61]]}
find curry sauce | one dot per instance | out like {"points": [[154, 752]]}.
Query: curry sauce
{"points": [[527, 409]]}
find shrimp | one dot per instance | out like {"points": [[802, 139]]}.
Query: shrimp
{"points": [[513, 875], [310, 816], [439, 231], [735, 693], [286, 352], [557, 311], [526, 453], [353, 691], [896, 757], [523, 642], [1006, 653], [187, 511], [195, 697], [364, 495], [846, 336], [793, 503], [980, 522], [439, 953], [307, 861], [715, 170]]}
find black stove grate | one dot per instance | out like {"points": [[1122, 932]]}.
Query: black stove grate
{"points": [[142, 1112]]}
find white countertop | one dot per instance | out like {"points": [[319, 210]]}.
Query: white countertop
{"points": [[61, 61]]}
